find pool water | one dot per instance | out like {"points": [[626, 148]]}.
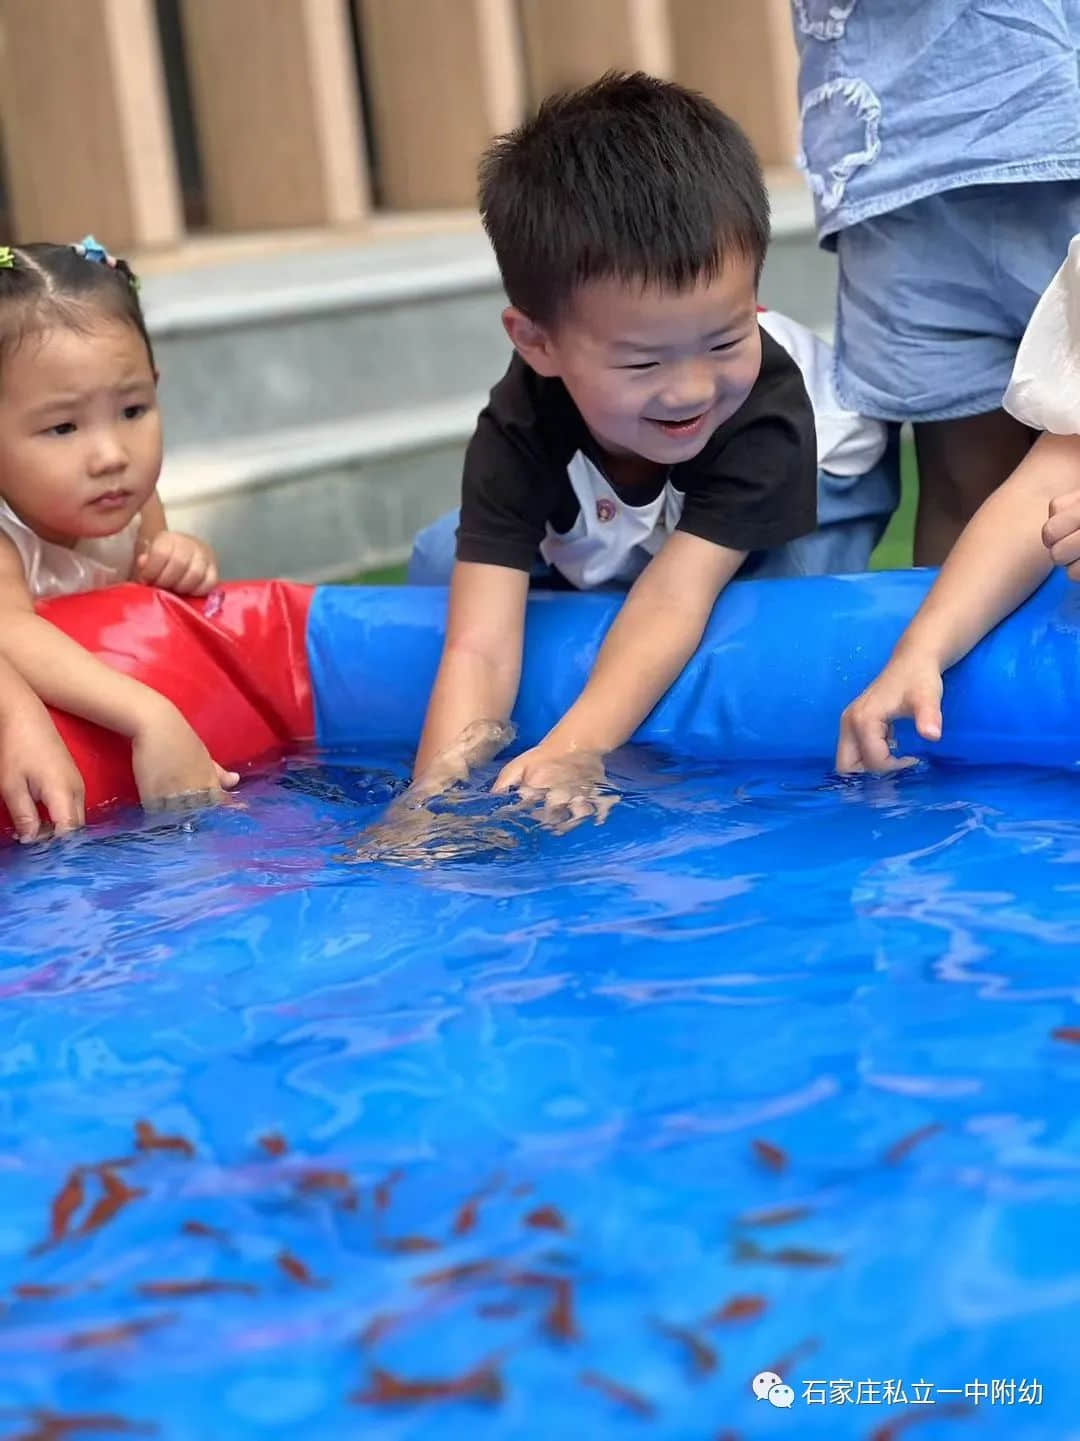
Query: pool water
{"points": [[561, 1137]]}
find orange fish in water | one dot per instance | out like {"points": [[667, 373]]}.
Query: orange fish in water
{"points": [[789, 1361], [560, 1321], [207, 1233], [118, 1194], [1066, 1033], [321, 1180], [465, 1220], [498, 1310], [906, 1144], [197, 1288], [66, 1202], [617, 1392], [40, 1293], [785, 1256], [703, 1358], [385, 1189], [117, 1335], [409, 1245], [147, 1139], [482, 1384], [53, 1426], [770, 1156], [546, 1218], [947, 1411], [274, 1144], [776, 1216], [296, 1271], [452, 1275], [378, 1327], [739, 1308]]}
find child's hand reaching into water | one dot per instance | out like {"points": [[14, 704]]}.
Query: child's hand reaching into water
{"points": [[565, 787], [171, 764], [180, 563], [35, 766], [910, 685]]}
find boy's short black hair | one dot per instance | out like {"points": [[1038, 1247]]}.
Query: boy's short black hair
{"points": [[631, 177]]}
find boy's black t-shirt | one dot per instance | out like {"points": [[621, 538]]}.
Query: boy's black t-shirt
{"points": [[535, 483]]}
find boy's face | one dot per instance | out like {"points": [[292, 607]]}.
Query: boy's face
{"points": [[652, 372]]}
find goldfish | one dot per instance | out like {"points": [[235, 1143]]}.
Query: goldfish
{"points": [[770, 1156], [739, 1308], [207, 1287], [118, 1194], [906, 1144], [546, 1218], [147, 1139], [274, 1144], [482, 1384], [703, 1357], [616, 1391], [297, 1271]]}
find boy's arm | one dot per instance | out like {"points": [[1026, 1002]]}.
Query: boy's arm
{"points": [[167, 756], [480, 667], [1000, 558], [170, 560], [657, 630]]}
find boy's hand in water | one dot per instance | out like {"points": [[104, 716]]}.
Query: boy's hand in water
{"points": [[910, 685], [477, 744], [172, 766], [565, 787], [180, 563], [1061, 533], [35, 766]]}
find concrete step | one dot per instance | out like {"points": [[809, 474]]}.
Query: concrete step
{"points": [[322, 502], [310, 339]]}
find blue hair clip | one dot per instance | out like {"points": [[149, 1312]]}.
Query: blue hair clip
{"points": [[89, 249]]}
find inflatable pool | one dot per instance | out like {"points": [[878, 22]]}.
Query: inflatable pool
{"points": [[750, 1114]]}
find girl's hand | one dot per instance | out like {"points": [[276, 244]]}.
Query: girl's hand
{"points": [[180, 563], [172, 766], [910, 685], [1061, 533], [35, 766]]}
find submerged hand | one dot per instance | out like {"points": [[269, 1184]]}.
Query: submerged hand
{"points": [[475, 746], [564, 787], [35, 766], [908, 686], [180, 563], [172, 766]]}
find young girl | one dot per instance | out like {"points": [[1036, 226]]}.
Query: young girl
{"points": [[80, 455], [1028, 526]]}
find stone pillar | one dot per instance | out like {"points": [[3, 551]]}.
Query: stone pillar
{"points": [[87, 140], [277, 112], [442, 77]]}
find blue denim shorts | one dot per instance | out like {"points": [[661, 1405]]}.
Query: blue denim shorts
{"points": [[934, 297]]}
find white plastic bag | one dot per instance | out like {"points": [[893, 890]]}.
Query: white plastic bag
{"points": [[1044, 391]]}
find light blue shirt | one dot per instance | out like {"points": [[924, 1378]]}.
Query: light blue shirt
{"points": [[905, 98]]}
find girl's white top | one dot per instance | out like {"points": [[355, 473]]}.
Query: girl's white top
{"points": [[53, 570], [1044, 391]]}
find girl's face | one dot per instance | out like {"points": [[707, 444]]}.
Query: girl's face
{"points": [[80, 431]]}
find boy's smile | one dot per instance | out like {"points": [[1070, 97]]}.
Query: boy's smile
{"points": [[652, 372]]}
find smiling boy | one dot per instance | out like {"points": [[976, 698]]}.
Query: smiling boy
{"points": [[648, 430]]}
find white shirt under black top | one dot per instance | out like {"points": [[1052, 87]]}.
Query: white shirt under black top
{"points": [[535, 482]]}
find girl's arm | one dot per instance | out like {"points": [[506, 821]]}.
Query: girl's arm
{"points": [[167, 756], [1000, 558], [34, 763]]}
